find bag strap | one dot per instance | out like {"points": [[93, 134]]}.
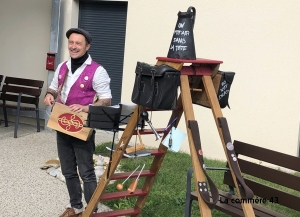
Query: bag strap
{"points": [[203, 189], [152, 84], [245, 191]]}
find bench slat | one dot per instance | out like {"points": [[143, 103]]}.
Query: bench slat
{"points": [[19, 89], [267, 155], [270, 174], [21, 107], [14, 98], [24, 82]]}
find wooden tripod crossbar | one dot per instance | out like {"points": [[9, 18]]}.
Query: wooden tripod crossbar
{"points": [[203, 69]]}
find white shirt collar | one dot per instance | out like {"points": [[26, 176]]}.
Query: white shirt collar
{"points": [[87, 62]]}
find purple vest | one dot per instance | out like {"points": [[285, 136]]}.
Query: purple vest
{"points": [[82, 91]]}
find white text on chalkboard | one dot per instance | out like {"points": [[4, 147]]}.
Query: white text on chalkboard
{"points": [[223, 90], [179, 40], [179, 32], [181, 25], [178, 47]]}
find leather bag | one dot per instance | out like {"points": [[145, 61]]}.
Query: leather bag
{"points": [[155, 86]]}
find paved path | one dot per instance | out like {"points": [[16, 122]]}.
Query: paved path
{"points": [[25, 189]]}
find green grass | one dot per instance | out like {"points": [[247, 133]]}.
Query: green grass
{"points": [[167, 196]]}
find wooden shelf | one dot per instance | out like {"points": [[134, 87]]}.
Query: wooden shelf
{"points": [[122, 194], [148, 131], [116, 213]]}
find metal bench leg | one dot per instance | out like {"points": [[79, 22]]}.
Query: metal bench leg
{"points": [[17, 115], [188, 200], [5, 117], [37, 118]]}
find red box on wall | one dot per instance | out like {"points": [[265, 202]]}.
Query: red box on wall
{"points": [[50, 61]]}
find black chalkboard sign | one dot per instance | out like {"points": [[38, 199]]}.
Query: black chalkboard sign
{"points": [[182, 44], [224, 87]]}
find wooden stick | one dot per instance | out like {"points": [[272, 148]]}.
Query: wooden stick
{"points": [[133, 185], [195, 89]]}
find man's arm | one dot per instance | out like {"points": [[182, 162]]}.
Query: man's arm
{"points": [[82, 108], [51, 93], [50, 96], [103, 102]]}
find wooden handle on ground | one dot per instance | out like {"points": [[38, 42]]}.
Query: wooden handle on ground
{"points": [[132, 186]]}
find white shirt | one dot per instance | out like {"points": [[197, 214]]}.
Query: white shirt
{"points": [[101, 80]]}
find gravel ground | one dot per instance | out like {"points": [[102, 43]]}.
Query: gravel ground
{"points": [[25, 189]]}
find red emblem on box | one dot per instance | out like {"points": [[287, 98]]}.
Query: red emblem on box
{"points": [[70, 122]]}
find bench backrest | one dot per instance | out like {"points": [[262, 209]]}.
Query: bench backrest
{"points": [[268, 173], [30, 89], [1, 79]]}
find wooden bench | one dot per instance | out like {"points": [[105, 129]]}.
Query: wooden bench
{"points": [[264, 193], [20, 94]]}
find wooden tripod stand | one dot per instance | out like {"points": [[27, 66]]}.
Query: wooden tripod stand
{"points": [[203, 69]]}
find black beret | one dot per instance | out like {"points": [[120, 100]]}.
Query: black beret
{"points": [[83, 32]]}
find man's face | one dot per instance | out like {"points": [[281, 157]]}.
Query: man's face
{"points": [[77, 45]]}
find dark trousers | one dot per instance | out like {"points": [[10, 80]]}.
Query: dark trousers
{"points": [[73, 152]]}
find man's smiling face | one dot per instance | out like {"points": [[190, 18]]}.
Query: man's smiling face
{"points": [[77, 45]]}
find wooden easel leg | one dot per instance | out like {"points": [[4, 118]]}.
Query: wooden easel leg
{"points": [[189, 115], [217, 113]]}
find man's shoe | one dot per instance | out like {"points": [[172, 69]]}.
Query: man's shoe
{"points": [[70, 212]]}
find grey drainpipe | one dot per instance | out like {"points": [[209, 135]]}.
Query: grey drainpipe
{"points": [[54, 36]]}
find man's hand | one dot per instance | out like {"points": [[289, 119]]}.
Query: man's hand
{"points": [[82, 108], [79, 108], [49, 99]]}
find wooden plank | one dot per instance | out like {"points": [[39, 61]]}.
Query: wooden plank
{"points": [[117, 213], [122, 194], [197, 60], [266, 155], [24, 99], [217, 113], [19, 89], [70, 126], [24, 82], [199, 70], [148, 131], [269, 174], [135, 148], [189, 115]]}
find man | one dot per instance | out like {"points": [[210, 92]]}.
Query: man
{"points": [[76, 82]]}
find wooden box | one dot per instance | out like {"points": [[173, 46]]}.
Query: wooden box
{"points": [[68, 122]]}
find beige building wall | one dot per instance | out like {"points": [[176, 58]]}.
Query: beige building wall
{"points": [[24, 35], [259, 40]]}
